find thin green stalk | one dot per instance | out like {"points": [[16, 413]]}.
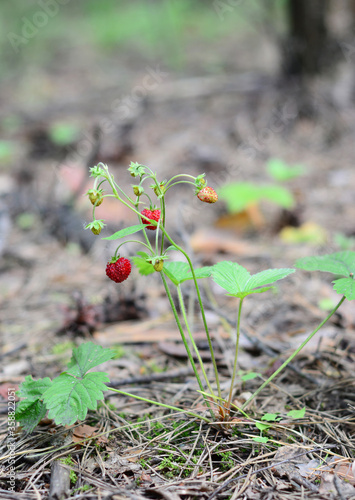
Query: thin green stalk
{"points": [[180, 175], [192, 414], [290, 358], [183, 312], [179, 182], [213, 359], [162, 208], [235, 355], [176, 316], [133, 241]]}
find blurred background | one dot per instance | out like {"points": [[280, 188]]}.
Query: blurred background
{"points": [[258, 94]]}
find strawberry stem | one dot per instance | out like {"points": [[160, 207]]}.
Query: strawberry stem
{"points": [[235, 356], [213, 359], [290, 358], [183, 312], [176, 316]]}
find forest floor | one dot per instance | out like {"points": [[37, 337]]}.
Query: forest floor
{"points": [[55, 294]]}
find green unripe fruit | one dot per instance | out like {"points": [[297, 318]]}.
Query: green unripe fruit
{"points": [[138, 190], [158, 266], [95, 196], [96, 230]]}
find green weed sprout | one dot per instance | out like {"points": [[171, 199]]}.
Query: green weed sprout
{"points": [[69, 396]]}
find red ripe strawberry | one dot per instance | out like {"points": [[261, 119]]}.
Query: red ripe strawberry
{"points": [[150, 214], [118, 270], [208, 195]]}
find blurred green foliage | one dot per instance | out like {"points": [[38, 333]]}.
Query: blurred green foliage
{"points": [[154, 28]]}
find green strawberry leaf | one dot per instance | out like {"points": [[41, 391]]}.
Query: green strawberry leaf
{"points": [[269, 276], [249, 376], [297, 413], [345, 286], [69, 398], [260, 439], [87, 356], [31, 410], [241, 295], [30, 413], [271, 417], [125, 232], [32, 390], [262, 427], [231, 276], [179, 272], [171, 247], [238, 281], [176, 271], [342, 263], [144, 268]]}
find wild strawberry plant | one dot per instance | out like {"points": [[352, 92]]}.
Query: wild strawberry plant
{"points": [[69, 396]]}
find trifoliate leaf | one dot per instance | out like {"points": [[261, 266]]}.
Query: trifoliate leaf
{"points": [[297, 413], [30, 413], [125, 232], [87, 356], [345, 286], [70, 398], [179, 272], [239, 283], [342, 263]]}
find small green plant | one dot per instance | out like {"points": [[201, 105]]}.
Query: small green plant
{"points": [[64, 134], [240, 196], [69, 396], [281, 171], [72, 474]]}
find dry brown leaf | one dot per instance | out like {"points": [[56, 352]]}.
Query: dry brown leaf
{"points": [[84, 431], [250, 218], [214, 240]]}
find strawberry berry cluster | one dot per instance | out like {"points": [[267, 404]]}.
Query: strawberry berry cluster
{"points": [[119, 268]]}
